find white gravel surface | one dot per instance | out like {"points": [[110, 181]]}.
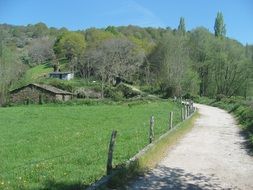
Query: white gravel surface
{"points": [[211, 156]]}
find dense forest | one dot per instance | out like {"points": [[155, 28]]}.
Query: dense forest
{"points": [[171, 62]]}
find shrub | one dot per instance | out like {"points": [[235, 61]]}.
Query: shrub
{"points": [[113, 93], [127, 91], [219, 97]]}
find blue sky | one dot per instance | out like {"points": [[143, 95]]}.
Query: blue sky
{"points": [[82, 14]]}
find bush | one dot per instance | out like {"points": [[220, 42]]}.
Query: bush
{"points": [[87, 93], [219, 97], [127, 91], [113, 93]]}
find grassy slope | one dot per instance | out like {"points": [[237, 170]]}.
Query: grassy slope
{"points": [[68, 144], [33, 74]]}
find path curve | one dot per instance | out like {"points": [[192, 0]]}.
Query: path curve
{"points": [[211, 156]]}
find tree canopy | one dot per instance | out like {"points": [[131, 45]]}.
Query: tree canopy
{"points": [[219, 26], [69, 45], [181, 27]]}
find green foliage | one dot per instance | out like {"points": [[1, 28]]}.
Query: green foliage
{"points": [[181, 27], [95, 36], [112, 29], [10, 69], [39, 30], [142, 44], [59, 84], [33, 75], [219, 26], [69, 45], [113, 93], [171, 64], [127, 91]]}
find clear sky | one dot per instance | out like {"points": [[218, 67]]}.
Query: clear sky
{"points": [[82, 14]]}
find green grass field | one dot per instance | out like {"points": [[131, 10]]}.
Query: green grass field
{"points": [[65, 147]]}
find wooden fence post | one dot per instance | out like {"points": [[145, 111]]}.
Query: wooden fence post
{"points": [[191, 107], [171, 120], [151, 129], [185, 112], [110, 152], [182, 114]]}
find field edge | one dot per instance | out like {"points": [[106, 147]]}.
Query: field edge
{"points": [[148, 159]]}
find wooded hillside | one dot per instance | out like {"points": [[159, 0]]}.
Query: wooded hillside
{"points": [[171, 62]]}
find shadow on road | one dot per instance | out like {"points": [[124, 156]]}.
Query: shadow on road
{"points": [[174, 178], [246, 144]]}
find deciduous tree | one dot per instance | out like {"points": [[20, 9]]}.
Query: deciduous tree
{"points": [[219, 26]]}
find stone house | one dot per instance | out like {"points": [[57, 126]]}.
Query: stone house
{"points": [[39, 92]]}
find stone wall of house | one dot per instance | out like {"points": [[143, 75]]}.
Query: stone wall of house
{"points": [[31, 94], [67, 97], [59, 97]]}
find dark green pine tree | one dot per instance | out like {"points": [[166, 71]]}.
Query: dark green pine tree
{"points": [[219, 26], [181, 27]]}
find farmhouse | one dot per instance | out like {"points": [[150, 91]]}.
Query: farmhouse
{"points": [[62, 75], [39, 92]]}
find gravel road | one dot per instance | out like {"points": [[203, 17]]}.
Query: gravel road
{"points": [[211, 156]]}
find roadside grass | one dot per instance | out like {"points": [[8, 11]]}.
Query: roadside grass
{"points": [[65, 146]]}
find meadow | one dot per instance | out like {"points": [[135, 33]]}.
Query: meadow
{"points": [[65, 146]]}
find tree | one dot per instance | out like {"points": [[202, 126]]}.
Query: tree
{"points": [[181, 27], [113, 58], [10, 70], [112, 29], [41, 50], [219, 26], [171, 64], [228, 67], [95, 36], [39, 30], [200, 47], [69, 45]]}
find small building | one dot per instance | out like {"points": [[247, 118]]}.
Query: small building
{"points": [[39, 92], [62, 75]]}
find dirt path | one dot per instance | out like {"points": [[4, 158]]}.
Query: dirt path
{"points": [[211, 156]]}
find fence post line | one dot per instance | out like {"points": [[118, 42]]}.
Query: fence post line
{"points": [[110, 152], [171, 120], [151, 129]]}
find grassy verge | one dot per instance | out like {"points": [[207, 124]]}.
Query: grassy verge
{"points": [[243, 111], [65, 146], [152, 156]]}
